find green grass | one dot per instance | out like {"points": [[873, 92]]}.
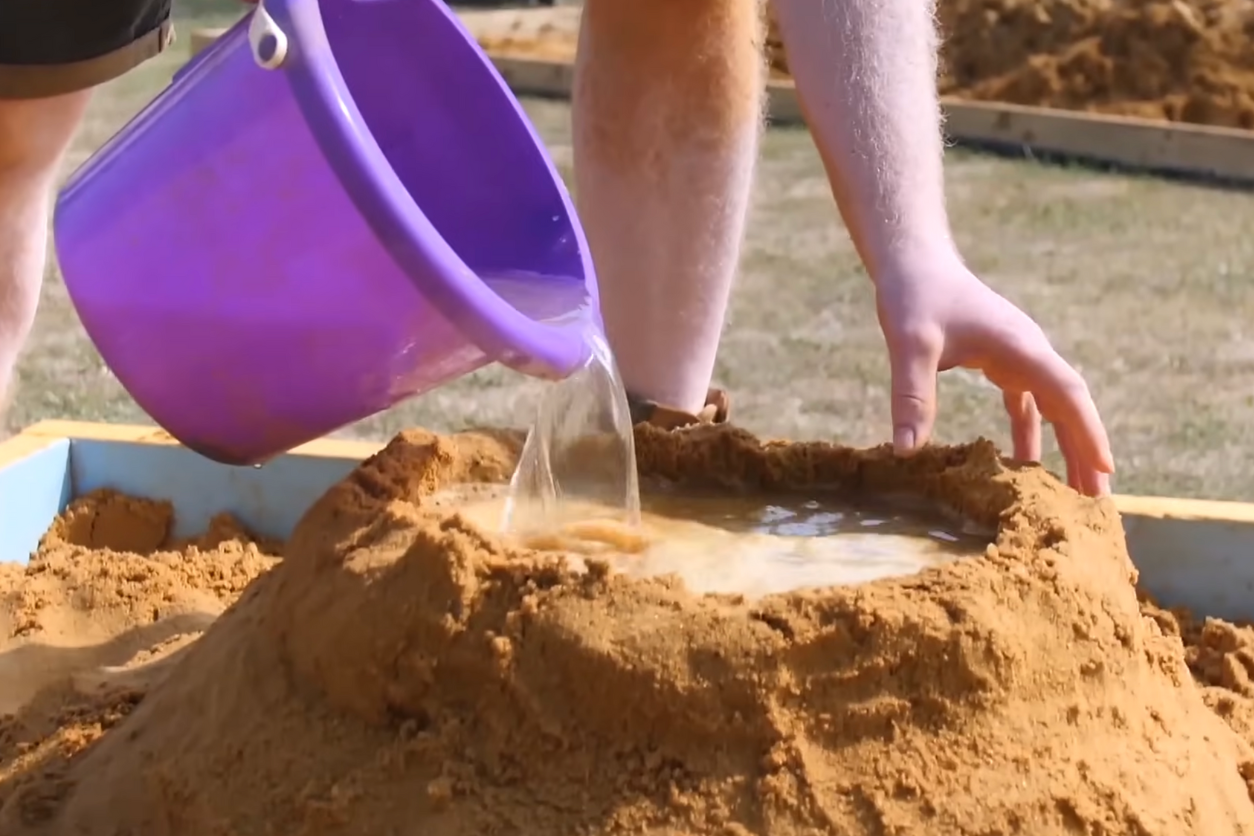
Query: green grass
{"points": [[1145, 284]]}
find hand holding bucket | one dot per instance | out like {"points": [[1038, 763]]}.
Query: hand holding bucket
{"points": [[404, 227]]}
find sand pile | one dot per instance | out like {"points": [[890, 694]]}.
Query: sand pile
{"points": [[102, 611], [402, 672], [1180, 60]]}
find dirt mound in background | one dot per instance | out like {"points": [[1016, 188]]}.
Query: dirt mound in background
{"points": [[1180, 60], [401, 671]]}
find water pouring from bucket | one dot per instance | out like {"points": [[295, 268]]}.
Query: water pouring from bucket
{"points": [[335, 207]]}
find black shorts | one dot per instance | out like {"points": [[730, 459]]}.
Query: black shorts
{"points": [[52, 47]]}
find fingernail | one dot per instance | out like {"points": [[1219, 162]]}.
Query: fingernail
{"points": [[903, 440]]}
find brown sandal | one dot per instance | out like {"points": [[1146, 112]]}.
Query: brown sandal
{"points": [[716, 411]]}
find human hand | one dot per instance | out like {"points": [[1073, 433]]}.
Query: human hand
{"points": [[937, 315]]}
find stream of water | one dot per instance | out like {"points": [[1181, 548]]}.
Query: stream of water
{"points": [[580, 454], [576, 490]]}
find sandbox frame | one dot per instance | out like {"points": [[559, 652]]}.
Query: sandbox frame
{"points": [[1193, 553], [1201, 153]]}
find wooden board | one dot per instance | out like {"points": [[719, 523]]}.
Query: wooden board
{"points": [[524, 24], [1196, 151], [1190, 151], [1224, 154]]}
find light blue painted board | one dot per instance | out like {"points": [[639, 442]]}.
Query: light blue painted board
{"points": [[1205, 565], [268, 500], [33, 490]]}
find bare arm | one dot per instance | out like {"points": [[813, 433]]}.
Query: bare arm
{"points": [[866, 76]]}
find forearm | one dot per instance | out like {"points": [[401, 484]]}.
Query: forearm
{"points": [[866, 76]]}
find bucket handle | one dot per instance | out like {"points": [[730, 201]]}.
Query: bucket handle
{"points": [[268, 41]]}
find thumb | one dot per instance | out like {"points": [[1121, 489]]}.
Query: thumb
{"points": [[914, 364]]}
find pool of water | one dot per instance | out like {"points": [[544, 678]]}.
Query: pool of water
{"points": [[743, 544]]}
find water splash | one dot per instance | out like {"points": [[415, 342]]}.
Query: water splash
{"points": [[579, 453]]}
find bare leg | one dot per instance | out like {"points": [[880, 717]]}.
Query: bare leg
{"points": [[34, 134], [667, 113]]}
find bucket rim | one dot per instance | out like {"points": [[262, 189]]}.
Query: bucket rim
{"points": [[496, 327]]}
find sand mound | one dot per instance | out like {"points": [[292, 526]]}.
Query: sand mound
{"points": [[100, 613], [1181, 60], [402, 672]]}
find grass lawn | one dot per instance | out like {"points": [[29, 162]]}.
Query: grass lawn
{"points": [[1146, 285]]}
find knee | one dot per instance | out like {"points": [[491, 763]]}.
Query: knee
{"points": [[34, 133], [688, 30]]}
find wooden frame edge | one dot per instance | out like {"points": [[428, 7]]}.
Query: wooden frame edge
{"points": [[51, 430], [1198, 152], [19, 446], [1173, 148], [1200, 510]]}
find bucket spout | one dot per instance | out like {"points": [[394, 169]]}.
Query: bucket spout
{"points": [[567, 307], [495, 213]]}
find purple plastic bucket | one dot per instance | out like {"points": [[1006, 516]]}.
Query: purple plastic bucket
{"points": [[335, 207]]}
